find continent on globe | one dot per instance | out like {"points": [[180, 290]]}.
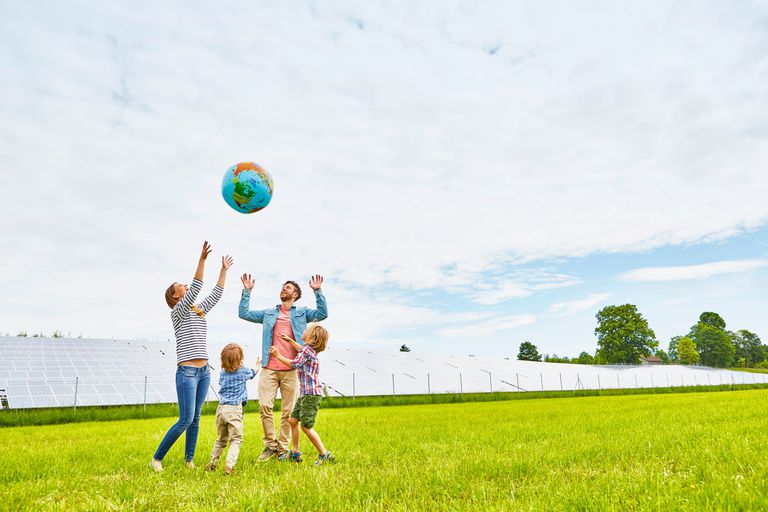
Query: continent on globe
{"points": [[244, 166], [247, 187]]}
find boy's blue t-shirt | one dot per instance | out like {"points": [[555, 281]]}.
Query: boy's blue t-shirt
{"points": [[232, 389]]}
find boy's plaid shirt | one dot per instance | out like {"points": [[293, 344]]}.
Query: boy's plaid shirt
{"points": [[308, 367]]}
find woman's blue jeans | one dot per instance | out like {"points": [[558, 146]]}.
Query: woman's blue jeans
{"points": [[191, 388]]}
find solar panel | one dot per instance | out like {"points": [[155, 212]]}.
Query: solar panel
{"points": [[41, 372]]}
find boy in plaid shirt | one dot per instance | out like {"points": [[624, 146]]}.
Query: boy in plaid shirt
{"points": [[305, 411], [229, 414]]}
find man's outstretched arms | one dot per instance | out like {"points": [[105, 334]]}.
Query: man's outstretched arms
{"points": [[321, 313], [245, 300]]}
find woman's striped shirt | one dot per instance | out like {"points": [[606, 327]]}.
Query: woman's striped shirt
{"points": [[189, 327]]}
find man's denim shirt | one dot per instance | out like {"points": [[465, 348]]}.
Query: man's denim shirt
{"points": [[300, 317]]}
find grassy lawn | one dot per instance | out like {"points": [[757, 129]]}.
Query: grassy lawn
{"points": [[25, 417], [695, 451]]}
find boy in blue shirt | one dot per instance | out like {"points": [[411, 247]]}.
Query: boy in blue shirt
{"points": [[229, 414]]}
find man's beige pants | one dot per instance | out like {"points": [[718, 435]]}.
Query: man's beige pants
{"points": [[287, 381], [229, 425]]}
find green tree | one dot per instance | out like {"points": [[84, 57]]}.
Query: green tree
{"points": [[712, 319], [584, 358], [686, 351], [663, 356], [763, 354], [623, 335], [528, 352], [554, 358], [672, 352], [715, 347], [748, 346]]}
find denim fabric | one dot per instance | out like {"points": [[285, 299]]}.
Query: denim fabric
{"points": [[300, 317], [232, 390], [191, 388]]}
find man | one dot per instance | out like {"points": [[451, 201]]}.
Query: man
{"points": [[291, 321]]}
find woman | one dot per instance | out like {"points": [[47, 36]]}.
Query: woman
{"points": [[192, 374]]}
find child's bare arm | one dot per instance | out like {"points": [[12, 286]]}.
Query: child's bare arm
{"points": [[275, 352], [292, 341]]}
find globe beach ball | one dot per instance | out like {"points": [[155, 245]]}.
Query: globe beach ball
{"points": [[247, 187]]}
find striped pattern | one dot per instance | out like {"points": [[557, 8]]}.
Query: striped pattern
{"points": [[308, 368], [190, 329]]}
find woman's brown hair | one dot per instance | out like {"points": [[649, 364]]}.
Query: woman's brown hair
{"points": [[172, 301], [232, 357]]}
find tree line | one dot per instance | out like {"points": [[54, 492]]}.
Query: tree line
{"points": [[624, 336]]}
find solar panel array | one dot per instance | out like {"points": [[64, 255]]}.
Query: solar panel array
{"points": [[43, 372], [351, 372]]}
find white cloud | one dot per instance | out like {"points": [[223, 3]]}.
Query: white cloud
{"points": [[574, 306], [687, 272], [405, 156], [503, 323], [514, 285]]}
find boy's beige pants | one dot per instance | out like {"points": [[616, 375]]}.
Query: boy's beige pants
{"points": [[229, 425], [287, 381]]}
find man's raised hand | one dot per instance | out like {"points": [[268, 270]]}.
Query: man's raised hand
{"points": [[248, 282], [316, 281]]}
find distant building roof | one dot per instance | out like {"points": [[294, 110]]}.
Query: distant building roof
{"points": [[650, 360]]}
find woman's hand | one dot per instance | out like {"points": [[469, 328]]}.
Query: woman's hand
{"points": [[201, 262], [226, 262], [248, 282], [206, 250]]}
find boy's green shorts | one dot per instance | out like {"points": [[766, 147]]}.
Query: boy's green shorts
{"points": [[306, 409]]}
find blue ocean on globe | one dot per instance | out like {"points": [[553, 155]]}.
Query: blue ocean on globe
{"points": [[247, 187]]}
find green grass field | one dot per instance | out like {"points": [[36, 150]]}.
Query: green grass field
{"points": [[695, 451]]}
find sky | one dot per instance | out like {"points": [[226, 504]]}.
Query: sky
{"points": [[466, 175]]}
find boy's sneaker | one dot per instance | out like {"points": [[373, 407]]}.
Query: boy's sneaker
{"points": [[282, 456], [210, 466], [228, 470], [324, 459], [267, 454], [295, 457]]}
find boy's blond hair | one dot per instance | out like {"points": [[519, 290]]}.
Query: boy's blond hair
{"points": [[317, 336], [232, 357]]}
